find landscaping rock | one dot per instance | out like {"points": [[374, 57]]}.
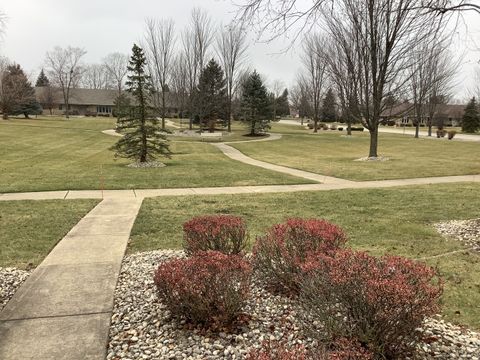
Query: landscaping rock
{"points": [[148, 164], [447, 341], [10, 280], [142, 327], [465, 231], [373, 158]]}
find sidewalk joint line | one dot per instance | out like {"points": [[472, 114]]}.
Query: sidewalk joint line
{"points": [[57, 316], [68, 191]]}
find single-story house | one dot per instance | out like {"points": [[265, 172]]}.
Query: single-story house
{"points": [[444, 115], [81, 101]]}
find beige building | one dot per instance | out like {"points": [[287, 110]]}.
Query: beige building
{"points": [[89, 102], [444, 115]]}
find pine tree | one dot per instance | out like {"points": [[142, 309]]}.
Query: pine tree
{"points": [[283, 107], [42, 80], [122, 105], [211, 91], [471, 118], [255, 104], [329, 113], [18, 95], [143, 140]]}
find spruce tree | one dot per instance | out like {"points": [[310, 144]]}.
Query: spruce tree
{"points": [[42, 80], [283, 107], [329, 113], [471, 118], [255, 104], [143, 140], [210, 98], [18, 95]]}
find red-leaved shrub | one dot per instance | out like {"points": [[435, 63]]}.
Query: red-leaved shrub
{"points": [[380, 301], [224, 233], [208, 288], [279, 255], [348, 349]]}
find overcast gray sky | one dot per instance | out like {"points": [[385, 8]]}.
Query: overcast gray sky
{"points": [[105, 26]]}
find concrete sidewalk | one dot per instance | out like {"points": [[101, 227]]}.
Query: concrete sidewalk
{"points": [[235, 154], [131, 195], [63, 309]]}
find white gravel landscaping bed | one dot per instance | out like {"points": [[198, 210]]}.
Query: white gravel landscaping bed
{"points": [[142, 328], [10, 280], [465, 231]]}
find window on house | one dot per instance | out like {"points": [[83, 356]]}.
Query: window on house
{"points": [[60, 107]]}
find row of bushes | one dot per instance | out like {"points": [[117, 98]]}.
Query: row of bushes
{"points": [[450, 133], [365, 305]]}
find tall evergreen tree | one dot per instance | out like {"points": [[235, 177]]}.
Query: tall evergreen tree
{"points": [[42, 80], [143, 140], [255, 104], [471, 118], [283, 106], [18, 95], [211, 95], [329, 112]]}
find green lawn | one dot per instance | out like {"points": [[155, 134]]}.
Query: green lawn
{"points": [[332, 153], [57, 154], [30, 229], [396, 221]]}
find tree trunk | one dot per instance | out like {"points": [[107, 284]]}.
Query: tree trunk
{"points": [[252, 128], [315, 125], [163, 109], [229, 116], [429, 128], [417, 129], [373, 143], [349, 127]]}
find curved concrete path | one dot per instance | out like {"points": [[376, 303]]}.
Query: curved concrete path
{"points": [[235, 154]]}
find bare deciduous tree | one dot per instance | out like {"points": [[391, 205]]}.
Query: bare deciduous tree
{"points": [[475, 90], [96, 76], [315, 65], [160, 42], [196, 40], [179, 82], [231, 49], [64, 67], [382, 34], [299, 98], [277, 87], [116, 64], [431, 74]]}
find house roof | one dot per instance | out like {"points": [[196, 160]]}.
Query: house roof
{"points": [[441, 110], [82, 96]]}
